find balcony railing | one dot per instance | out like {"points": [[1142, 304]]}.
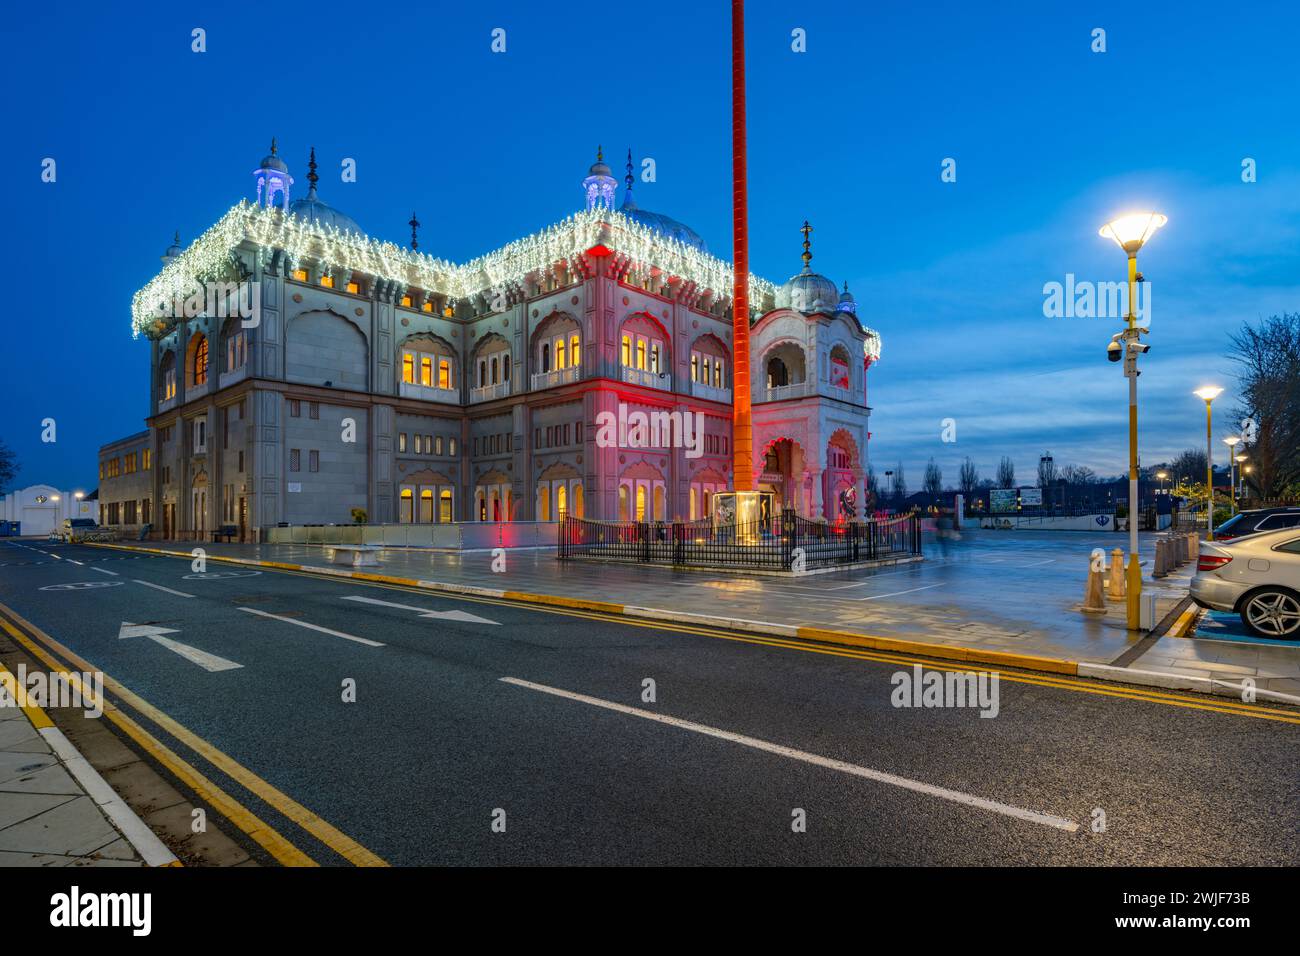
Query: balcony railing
{"points": [[776, 394], [843, 394], [488, 392], [430, 393], [711, 392], [559, 376], [226, 379], [640, 376]]}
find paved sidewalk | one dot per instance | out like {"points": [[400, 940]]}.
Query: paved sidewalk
{"points": [[48, 815], [996, 592]]}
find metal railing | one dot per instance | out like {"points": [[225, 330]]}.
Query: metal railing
{"points": [[783, 542]]}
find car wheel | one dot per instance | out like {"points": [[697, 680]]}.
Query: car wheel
{"points": [[1273, 613]]}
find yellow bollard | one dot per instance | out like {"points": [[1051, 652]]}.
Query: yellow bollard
{"points": [[1115, 584], [1132, 612], [1093, 602]]}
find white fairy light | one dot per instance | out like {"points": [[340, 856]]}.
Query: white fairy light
{"points": [[210, 257]]}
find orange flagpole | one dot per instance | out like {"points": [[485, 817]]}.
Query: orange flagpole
{"points": [[742, 422]]}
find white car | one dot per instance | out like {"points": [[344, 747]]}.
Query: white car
{"points": [[1258, 577]]}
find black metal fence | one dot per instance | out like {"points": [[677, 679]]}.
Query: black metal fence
{"points": [[783, 542]]}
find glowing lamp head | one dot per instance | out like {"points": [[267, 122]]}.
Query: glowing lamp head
{"points": [[1231, 440], [1209, 392], [1162, 475], [1132, 231]]}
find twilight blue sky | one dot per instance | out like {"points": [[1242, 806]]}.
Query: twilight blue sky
{"points": [[1050, 140]]}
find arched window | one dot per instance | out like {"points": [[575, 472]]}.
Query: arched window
{"points": [[167, 377], [546, 356], [777, 374], [839, 367], [428, 363], [644, 344], [201, 360]]}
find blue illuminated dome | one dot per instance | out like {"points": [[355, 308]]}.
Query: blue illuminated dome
{"points": [[665, 226], [320, 213]]}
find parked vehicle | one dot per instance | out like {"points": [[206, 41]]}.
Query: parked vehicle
{"points": [[1256, 576], [1257, 520], [77, 528]]}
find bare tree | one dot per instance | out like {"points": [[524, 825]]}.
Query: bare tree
{"points": [[1078, 475], [933, 484], [1269, 356], [899, 486], [968, 477], [1006, 473], [1046, 470], [8, 466], [1189, 467]]}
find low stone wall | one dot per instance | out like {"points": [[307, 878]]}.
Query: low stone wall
{"points": [[456, 536]]}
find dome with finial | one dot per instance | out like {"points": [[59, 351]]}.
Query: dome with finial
{"points": [[272, 161], [174, 249], [847, 302], [600, 167], [808, 291], [314, 210], [665, 226]]}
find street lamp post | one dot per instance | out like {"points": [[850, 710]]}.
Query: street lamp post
{"points": [[1209, 393], [1242, 469], [1130, 233], [1232, 441]]}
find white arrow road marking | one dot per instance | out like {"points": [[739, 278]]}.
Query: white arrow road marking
{"points": [[464, 616], [314, 627], [209, 662], [943, 793]]}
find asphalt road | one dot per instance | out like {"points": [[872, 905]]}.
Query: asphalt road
{"points": [[740, 734]]}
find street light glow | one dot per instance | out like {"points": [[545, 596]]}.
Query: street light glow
{"points": [[1208, 392], [1131, 232]]}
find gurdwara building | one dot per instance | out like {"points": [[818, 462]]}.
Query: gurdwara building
{"points": [[304, 372]]}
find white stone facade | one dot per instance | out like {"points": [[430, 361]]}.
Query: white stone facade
{"points": [[355, 391]]}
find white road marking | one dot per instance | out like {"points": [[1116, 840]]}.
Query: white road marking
{"points": [[924, 587], [159, 587], [151, 849], [209, 662], [1036, 563], [313, 627], [103, 571], [464, 616], [943, 793], [78, 563]]}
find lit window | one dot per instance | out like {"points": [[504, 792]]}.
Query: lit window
{"points": [[627, 350], [327, 281], [353, 288], [300, 275], [201, 361], [401, 441], [408, 367], [444, 373], [428, 306], [406, 301], [561, 354], [574, 359], [426, 370], [640, 356], [695, 369], [147, 454]]}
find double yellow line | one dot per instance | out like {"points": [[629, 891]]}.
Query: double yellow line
{"points": [[57, 657]]}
